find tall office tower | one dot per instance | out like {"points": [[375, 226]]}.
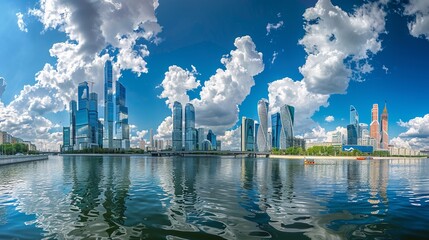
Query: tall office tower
{"points": [[384, 142], [354, 116], [352, 134], [247, 134], [82, 117], [122, 127], [151, 138], [73, 110], [276, 126], [201, 138], [108, 105], [93, 118], [255, 144], [66, 139], [212, 138], [177, 127], [337, 138], [287, 118], [262, 134], [363, 135], [190, 133], [374, 131], [87, 123]]}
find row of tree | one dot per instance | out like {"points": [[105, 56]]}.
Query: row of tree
{"points": [[325, 151], [14, 148]]}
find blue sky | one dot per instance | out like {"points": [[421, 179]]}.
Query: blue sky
{"points": [[198, 34]]}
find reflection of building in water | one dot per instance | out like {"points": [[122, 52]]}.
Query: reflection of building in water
{"points": [[378, 179]]}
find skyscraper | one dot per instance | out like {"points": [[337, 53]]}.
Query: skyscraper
{"points": [[212, 138], [255, 144], [276, 126], [87, 123], [73, 110], [247, 134], [354, 116], [177, 134], [375, 126], [287, 118], [122, 128], [108, 105], [262, 132], [190, 132], [384, 142], [66, 139], [352, 134], [151, 138], [201, 137]]}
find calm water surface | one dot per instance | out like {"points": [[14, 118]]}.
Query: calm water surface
{"points": [[214, 198]]}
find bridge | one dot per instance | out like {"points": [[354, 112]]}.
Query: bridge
{"points": [[217, 153]]}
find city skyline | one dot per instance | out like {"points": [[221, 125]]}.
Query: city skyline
{"points": [[222, 67]]}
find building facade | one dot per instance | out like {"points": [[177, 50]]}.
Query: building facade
{"points": [[108, 106], [122, 128], [352, 134], [287, 118], [190, 131], [177, 134], [276, 125], [212, 138], [201, 136], [262, 139], [73, 110], [247, 134], [384, 141], [374, 131]]}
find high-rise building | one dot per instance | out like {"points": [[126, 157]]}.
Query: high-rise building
{"points": [[287, 118], [212, 138], [190, 132], [262, 139], [255, 144], [108, 105], [375, 126], [352, 134], [73, 110], [66, 139], [177, 134], [354, 116], [201, 137], [87, 123], [276, 126], [384, 141], [122, 128], [363, 134], [247, 134]]}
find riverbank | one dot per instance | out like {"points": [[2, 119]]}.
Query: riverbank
{"points": [[297, 157], [5, 160]]}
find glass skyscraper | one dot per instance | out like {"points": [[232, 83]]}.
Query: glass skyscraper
{"points": [[354, 116], [276, 126], [88, 134], [108, 105], [122, 129], [256, 136], [262, 139], [287, 118], [177, 134], [66, 139], [247, 134], [201, 137], [212, 138], [73, 110], [384, 141], [190, 132], [352, 134]]}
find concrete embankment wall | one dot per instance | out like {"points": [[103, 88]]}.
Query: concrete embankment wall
{"points": [[18, 159]]}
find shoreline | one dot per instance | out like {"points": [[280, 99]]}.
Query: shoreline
{"points": [[299, 157]]}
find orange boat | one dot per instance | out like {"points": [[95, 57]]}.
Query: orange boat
{"points": [[363, 158], [309, 161]]}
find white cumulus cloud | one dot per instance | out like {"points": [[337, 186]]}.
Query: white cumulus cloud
{"points": [[20, 21], [329, 119], [419, 10], [339, 44], [416, 135]]}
